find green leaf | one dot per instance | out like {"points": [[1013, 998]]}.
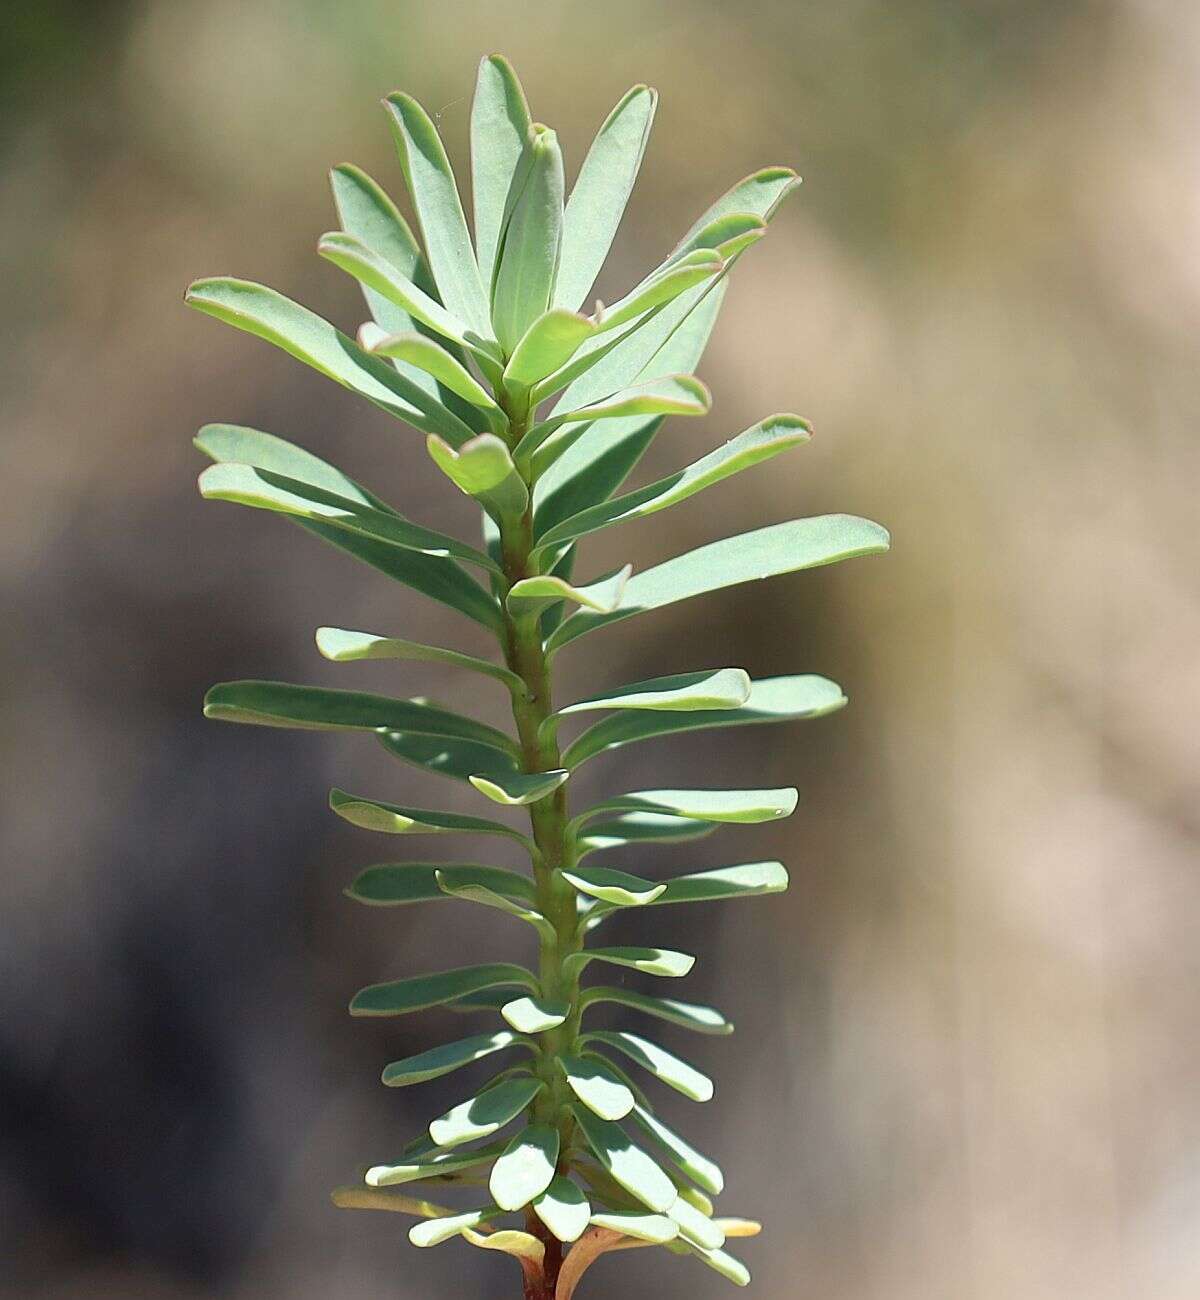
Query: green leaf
{"points": [[564, 1209], [529, 596], [425, 355], [661, 286], [519, 788], [433, 1232], [684, 1156], [596, 1086], [547, 344], [609, 1065], [601, 191], [435, 1166], [280, 704], [665, 1066], [730, 233], [719, 688], [640, 828], [654, 1228], [392, 819], [476, 892], [483, 468], [771, 699], [439, 212], [530, 1015], [449, 755], [449, 1056], [733, 1270], [764, 553], [393, 884], [761, 442], [628, 1164], [263, 490], [486, 1113], [523, 1245], [650, 961], [500, 124], [760, 193], [344, 646], [695, 1226], [746, 881], [616, 887], [527, 255], [667, 395], [701, 1019], [303, 334], [601, 458], [400, 997], [707, 805], [234, 443], [526, 1168]]}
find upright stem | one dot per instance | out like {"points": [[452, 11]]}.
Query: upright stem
{"points": [[548, 817]]}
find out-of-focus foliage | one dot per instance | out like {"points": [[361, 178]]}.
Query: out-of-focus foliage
{"points": [[986, 962]]}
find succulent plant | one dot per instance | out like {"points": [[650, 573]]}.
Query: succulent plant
{"points": [[539, 411]]}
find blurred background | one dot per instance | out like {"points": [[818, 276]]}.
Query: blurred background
{"points": [[967, 1059]]}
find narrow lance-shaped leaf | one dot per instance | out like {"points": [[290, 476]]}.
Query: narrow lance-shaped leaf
{"points": [[771, 699], [616, 887], [662, 286], [442, 1228], [641, 828], [457, 885], [601, 191], [500, 123], [263, 490], [655, 1229], [695, 1226], [486, 1113], [518, 788], [664, 1065], [425, 355], [303, 334], [400, 997], [764, 553], [342, 645], [449, 1162], [684, 1156], [650, 961], [449, 1056], [759, 443], [701, 1019], [392, 819], [706, 805], [626, 1162], [439, 211], [280, 704], [392, 884], [731, 1269], [749, 880], [529, 596], [527, 256]]}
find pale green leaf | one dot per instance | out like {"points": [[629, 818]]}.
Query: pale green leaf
{"points": [[654, 1228], [449, 1056], [771, 699], [601, 191], [528, 251], [689, 1015], [764, 553], [731, 232], [434, 1232], [564, 1209], [526, 1168], [760, 193], [439, 212], [695, 1226], [393, 884], [650, 961], [733, 1270], [665, 1066], [597, 1086], [344, 646], [761, 442], [530, 1015], [699, 1168], [746, 881], [661, 286], [616, 887], [518, 788], [457, 885], [719, 688], [449, 755], [740, 1227], [264, 490], [400, 997], [500, 124], [433, 1166], [547, 344], [641, 828], [529, 596], [303, 334], [392, 819], [486, 1113], [707, 805], [523, 1245], [628, 1164], [483, 468], [280, 704], [425, 355]]}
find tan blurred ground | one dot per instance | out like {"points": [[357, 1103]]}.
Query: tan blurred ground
{"points": [[966, 1066]]}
